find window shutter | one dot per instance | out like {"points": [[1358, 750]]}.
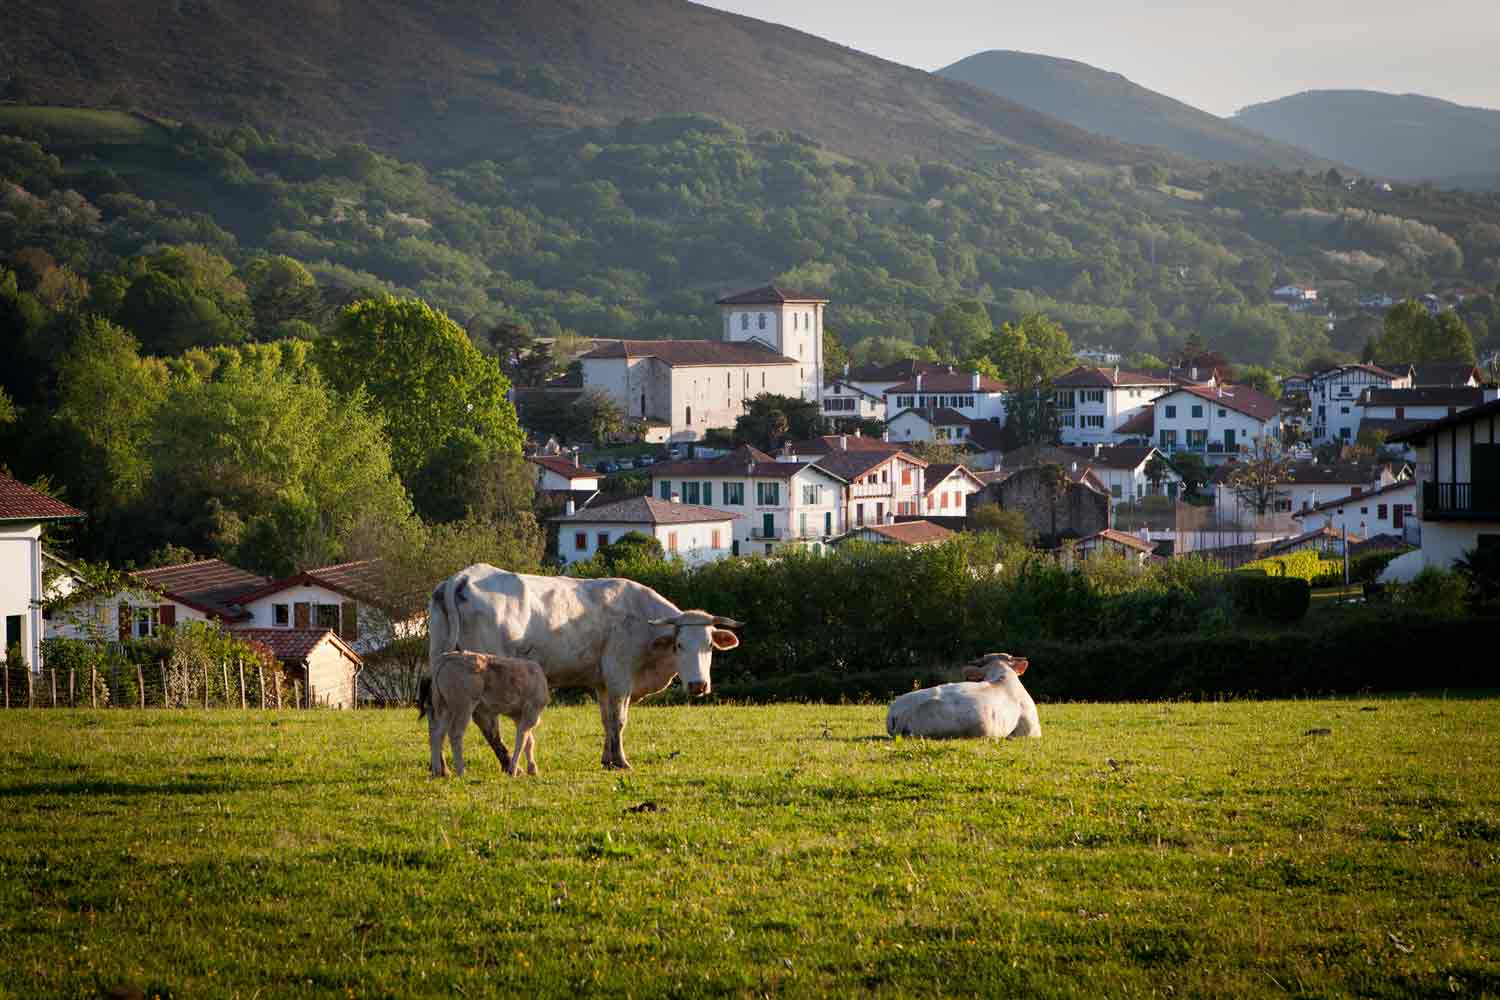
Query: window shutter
{"points": [[167, 616], [349, 622], [124, 622], [301, 614]]}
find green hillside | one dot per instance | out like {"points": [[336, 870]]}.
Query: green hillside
{"points": [[444, 81], [1109, 104], [1399, 136]]}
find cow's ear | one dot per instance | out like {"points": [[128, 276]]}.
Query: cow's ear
{"points": [[722, 638], [1019, 666], [664, 642]]}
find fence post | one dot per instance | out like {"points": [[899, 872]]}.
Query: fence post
{"points": [[296, 694], [54, 687], [72, 689], [276, 678], [165, 702], [205, 685], [224, 668], [93, 685], [260, 676], [30, 688], [241, 661], [7, 684], [140, 683]]}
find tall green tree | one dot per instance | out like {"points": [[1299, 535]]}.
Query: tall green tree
{"points": [[427, 382], [1412, 334], [281, 290], [960, 330], [771, 419], [1028, 355]]}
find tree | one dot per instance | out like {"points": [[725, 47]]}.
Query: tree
{"points": [[771, 419], [1413, 335], [426, 381], [1028, 355], [834, 355], [1260, 379], [599, 415], [937, 452], [960, 330], [1192, 469], [991, 518], [1157, 472], [281, 290], [1257, 481]]}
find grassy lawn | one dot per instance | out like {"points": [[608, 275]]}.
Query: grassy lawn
{"points": [[84, 125], [1325, 599], [1310, 848]]}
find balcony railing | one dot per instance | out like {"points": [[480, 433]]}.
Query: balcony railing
{"points": [[870, 490], [1461, 501]]}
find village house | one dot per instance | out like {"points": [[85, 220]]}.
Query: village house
{"points": [[1118, 542], [1334, 393], [24, 512], [1305, 485], [1078, 506], [843, 400], [1458, 466], [881, 484], [982, 437], [916, 534], [204, 590], [1395, 411], [1295, 293], [869, 382], [1216, 422], [686, 531], [323, 666], [946, 489], [1122, 469], [1385, 510], [787, 323], [776, 503], [563, 473], [338, 598], [1094, 403], [969, 394]]}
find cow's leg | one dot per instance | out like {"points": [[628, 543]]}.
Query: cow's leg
{"points": [[458, 724], [606, 716], [619, 709], [436, 717], [526, 740], [489, 725]]}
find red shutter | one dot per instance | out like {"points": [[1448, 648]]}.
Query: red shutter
{"points": [[124, 622], [168, 616]]}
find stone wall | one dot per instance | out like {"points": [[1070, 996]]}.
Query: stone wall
{"points": [[1080, 510]]}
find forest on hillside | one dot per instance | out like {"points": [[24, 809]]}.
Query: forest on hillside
{"points": [[633, 230]]}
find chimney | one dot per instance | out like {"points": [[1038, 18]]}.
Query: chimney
{"points": [[1097, 447], [846, 369], [1075, 466], [919, 381], [1193, 374], [1117, 373], [843, 442], [974, 383], [570, 508], [950, 369], [676, 497]]}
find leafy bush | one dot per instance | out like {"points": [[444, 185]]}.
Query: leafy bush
{"points": [[1307, 564], [1280, 599], [1367, 566], [1481, 568], [1439, 592]]}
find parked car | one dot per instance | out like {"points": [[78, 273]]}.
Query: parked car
{"points": [[625, 463], [606, 467]]}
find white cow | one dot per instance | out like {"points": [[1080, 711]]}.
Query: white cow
{"points": [[482, 687], [989, 702], [618, 638]]}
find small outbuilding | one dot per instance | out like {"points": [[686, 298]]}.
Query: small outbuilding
{"points": [[326, 666]]}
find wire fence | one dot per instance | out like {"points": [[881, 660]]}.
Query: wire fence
{"points": [[225, 685]]}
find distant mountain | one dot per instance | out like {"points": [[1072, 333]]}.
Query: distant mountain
{"points": [[1109, 104], [1401, 136], [442, 81]]}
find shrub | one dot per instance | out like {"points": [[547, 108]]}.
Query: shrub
{"points": [[1439, 592], [1273, 598], [1307, 564], [1367, 566], [1481, 568]]}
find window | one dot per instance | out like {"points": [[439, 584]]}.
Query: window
{"points": [[147, 621], [1068, 420], [1169, 439], [768, 494], [689, 420], [281, 614], [601, 539], [1171, 412], [734, 494], [942, 501], [671, 541], [1221, 412], [1400, 413], [690, 492], [812, 494], [708, 493], [328, 616], [761, 321], [1093, 420], [1115, 491], [1363, 511], [729, 381], [664, 489], [1065, 400], [713, 537], [762, 380], [1197, 411], [906, 477], [905, 402], [1380, 511], [1343, 409], [1092, 395], [13, 630], [580, 541], [744, 321], [1197, 439]]}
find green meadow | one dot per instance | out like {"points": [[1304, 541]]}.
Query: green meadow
{"points": [[1300, 848]]}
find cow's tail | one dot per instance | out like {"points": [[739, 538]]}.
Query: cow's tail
{"points": [[443, 633]]}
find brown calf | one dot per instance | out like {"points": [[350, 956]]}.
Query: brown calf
{"points": [[482, 687]]}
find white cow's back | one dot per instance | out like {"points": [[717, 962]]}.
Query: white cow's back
{"points": [[965, 710]]}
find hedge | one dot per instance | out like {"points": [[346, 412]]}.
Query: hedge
{"points": [[1282, 599], [1305, 564], [1366, 653]]}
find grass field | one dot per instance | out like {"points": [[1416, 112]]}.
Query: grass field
{"points": [[91, 126], [1318, 848]]}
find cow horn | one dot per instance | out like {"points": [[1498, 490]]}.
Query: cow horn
{"points": [[662, 621], [727, 622]]}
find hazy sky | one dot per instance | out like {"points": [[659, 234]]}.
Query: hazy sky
{"points": [[1219, 55]]}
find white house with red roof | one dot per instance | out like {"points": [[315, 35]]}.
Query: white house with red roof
{"points": [[1093, 403], [1386, 510], [946, 489], [563, 473], [1334, 395], [870, 383], [775, 503], [690, 532], [23, 513], [1216, 422], [916, 534], [1109, 540], [974, 396], [881, 484], [789, 323], [204, 590], [340, 598]]}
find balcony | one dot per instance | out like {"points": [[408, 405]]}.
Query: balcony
{"points": [[1461, 501], [870, 490]]}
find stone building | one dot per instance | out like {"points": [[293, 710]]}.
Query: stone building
{"points": [[1081, 508]]}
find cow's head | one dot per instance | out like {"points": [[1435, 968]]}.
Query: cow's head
{"points": [[992, 668], [691, 642]]}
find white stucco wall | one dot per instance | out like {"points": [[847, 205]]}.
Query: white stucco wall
{"points": [[793, 519], [1443, 542], [794, 328], [1362, 515], [21, 586], [101, 619], [1175, 414], [694, 542]]}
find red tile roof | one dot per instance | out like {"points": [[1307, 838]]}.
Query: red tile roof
{"points": [[691, 353], [355, 579], [1089, 377], [211, 586], [895, 371], [1117, 456], [1239, 398], [933, 475], [742, 461], [645, 510], [766, 295], [1344, 501], [19, 502], [1120, 538], [829, 443], [910, 532], [1141, 424], [295, 645], [849, 465], [1340, 369], [563, 467], [948, 382]]}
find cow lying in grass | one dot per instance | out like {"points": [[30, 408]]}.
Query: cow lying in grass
{"points": [[989, 702], [483, 687]]}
